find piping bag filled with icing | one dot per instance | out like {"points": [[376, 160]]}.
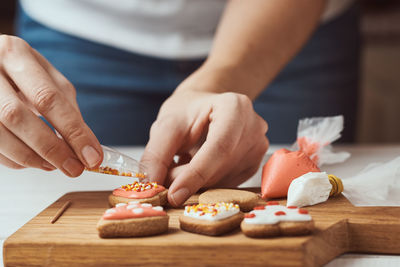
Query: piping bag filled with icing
{"points": [[312, 149], [376, 185], [313, 188]]}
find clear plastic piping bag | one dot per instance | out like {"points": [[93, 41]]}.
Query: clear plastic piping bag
{"points": [[117, 163]]}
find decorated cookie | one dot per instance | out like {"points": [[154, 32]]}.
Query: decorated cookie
{"points": [[133, 219], [152, 193], [245, 199], [211, 219], [276, 220]]}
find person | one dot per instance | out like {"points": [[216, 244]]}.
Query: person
{"points": [[99, 72]]}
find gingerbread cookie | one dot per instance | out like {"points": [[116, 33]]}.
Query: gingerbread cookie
{"points": [[133, 219], [152, 193], [211, 219], [275, 220], [245, 199]]}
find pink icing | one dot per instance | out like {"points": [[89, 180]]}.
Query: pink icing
{"points": [[120, 192], [129, 212]]}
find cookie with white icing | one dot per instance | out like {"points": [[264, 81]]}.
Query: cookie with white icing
{"points": [[149, 192], [211, 219], [273, 219], [132, 220], [245, 199]]}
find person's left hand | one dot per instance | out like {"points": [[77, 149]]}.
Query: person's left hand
{"points": [[219, 138]]}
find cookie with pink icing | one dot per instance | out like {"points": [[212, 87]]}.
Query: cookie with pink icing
{"points": [[133, 219], [149, 192], [273, 219]]}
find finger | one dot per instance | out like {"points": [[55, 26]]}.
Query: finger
{"points": [[246, 166], [173, 173], [35, 133], [250, 161], [59, 79], [249, 165], [39, 88], [222, 139], [165, 140], [9, 163], [20, 153]]}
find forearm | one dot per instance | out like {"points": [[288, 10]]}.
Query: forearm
{"points": [[254, 41]]}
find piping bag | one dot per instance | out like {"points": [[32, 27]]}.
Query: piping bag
{"points": [[117, 163], [313, 188], [377, 185], [311, 150]]}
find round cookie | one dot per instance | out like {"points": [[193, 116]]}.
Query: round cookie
{"points": [[245, 199], [151, 193]]}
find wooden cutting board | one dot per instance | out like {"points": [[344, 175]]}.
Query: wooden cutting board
{"points": [[73, 239]]}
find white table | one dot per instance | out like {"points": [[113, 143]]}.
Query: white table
{"points": [[24, 193]]}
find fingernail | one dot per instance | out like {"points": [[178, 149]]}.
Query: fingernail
{"points": [[48, 166], [72, 166], [180, 196], [91, 156]]}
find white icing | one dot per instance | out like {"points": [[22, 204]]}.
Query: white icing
{"points": [[159, 208], [138, 211], [309, 189], [111, 211], [132, 206], [133, 202], [120, 205], [267, 215], [223, 212], [146, 205]]}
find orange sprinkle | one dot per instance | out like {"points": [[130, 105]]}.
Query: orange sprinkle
{"points": [[108, 170], [139, 186], [212, 209]]}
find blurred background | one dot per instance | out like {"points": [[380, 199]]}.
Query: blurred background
{"points": [[379, 112]]}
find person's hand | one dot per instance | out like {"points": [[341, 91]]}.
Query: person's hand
{"points": [[219, 138], [30, 86]]}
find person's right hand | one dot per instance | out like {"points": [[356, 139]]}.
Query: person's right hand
{"points": [[30, 87]]}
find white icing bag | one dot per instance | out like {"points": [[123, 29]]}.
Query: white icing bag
{"points": [[309, 189], [377, 185]]}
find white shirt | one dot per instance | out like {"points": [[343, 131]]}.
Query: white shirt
{"points": [[174, 29]]}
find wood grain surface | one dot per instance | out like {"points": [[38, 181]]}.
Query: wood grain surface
{"points": [[73, 239]]}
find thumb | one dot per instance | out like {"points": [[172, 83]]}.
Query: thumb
{"points": [[165, 140]]}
